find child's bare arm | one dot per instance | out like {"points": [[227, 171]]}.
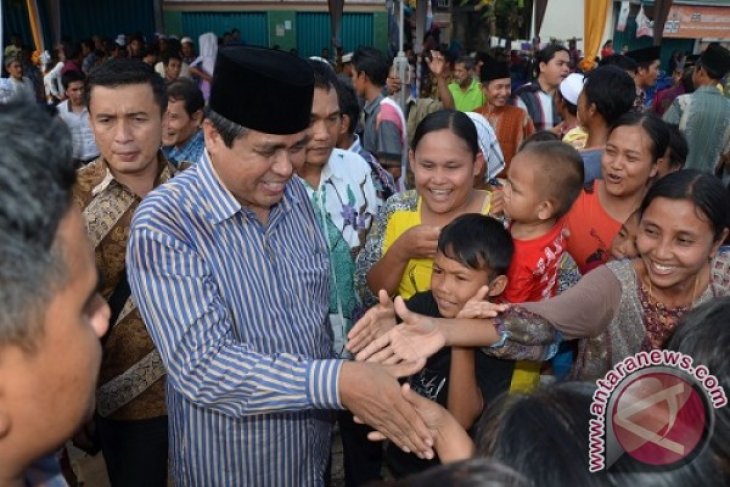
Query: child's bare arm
{"points": [[465, 400]]}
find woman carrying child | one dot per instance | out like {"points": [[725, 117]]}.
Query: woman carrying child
{"points": [[621, 308], [635, 145]]}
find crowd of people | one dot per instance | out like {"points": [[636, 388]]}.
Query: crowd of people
{"points": [[210, 261]]}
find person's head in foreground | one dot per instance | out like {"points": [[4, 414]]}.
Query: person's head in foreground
{"points": [[51, 316], [704, 335], [473, 251]]}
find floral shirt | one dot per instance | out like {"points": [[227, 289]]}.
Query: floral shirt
{"points": [[345, 204]]}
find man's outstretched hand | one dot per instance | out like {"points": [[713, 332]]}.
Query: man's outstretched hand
{"points": [[372, 393]]}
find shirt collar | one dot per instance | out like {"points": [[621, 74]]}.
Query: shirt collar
{"points": [[370, 105], [164, 173]]}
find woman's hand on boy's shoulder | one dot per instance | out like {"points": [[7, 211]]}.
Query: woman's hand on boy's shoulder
{"points": [[376, 322]]}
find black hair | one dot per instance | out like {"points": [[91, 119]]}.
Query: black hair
{"points": [[72, 50], [572, 108], [122, 72], [654, 126], [348, 102], [539, 136], [711, 73], [71, 76], [621, 61], [705, 191], [36, 179], [546, 55], [561, 172], [543, 435], [457, 122], [324, 76], [478, 242], [678, 147], [373, 63], [187, 90], [611, 89], [703, 334], [475, 472], [170, 54]]}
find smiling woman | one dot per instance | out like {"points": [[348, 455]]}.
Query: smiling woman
{"points": [[635, 145], [627, 306], [398, 255]]}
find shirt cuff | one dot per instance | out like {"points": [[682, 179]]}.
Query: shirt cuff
{"points": [[323, 378], [502, 332]]}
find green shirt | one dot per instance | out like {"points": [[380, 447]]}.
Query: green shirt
{"points": [[704, 119], [469, 100]]}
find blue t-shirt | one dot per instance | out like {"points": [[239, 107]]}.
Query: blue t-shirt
{"points": [[591, 164]]}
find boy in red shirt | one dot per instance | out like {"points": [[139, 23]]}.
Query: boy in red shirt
{"points": [[543, 181]]}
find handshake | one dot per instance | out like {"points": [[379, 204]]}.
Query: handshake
{"points": [[390, 351]]}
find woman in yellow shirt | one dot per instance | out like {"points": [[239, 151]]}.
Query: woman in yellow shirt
{"points": [[399, 252]]}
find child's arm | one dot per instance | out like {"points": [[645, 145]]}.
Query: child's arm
{"points": [[465, 400]]}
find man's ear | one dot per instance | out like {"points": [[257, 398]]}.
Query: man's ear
{"points": [[498, 285], [198, 117], [345, 125], [213, 140]]}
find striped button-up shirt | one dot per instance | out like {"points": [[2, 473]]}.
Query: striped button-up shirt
{"points": [[238, 311]]}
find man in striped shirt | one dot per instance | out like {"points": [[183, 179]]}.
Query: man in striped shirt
{"points": [[230, 271]]}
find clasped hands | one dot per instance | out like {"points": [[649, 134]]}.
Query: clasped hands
{"points": [[402, 350]]}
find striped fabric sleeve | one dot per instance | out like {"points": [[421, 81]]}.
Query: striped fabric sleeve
{"points": [[192, 329]]}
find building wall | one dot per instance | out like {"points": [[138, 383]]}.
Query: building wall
{"points": [[304, 25], [564, 20]]}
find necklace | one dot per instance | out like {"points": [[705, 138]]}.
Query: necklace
{"points": [[691, 300]]}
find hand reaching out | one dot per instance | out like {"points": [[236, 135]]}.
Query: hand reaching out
{"points": [[378, 320], [477, 307], [437, 64], [372, 393], [417, 338]]}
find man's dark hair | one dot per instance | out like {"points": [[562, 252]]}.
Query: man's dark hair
{"points": [[324, 76], [348, 102], [612, 90], [36, 178], [373, 63], [170, 54], [467, 61], [70, 77], [478, 242], [711, 73], [546, 54], [72, 50], [621, 61], [186, 90], [123, 72]]}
